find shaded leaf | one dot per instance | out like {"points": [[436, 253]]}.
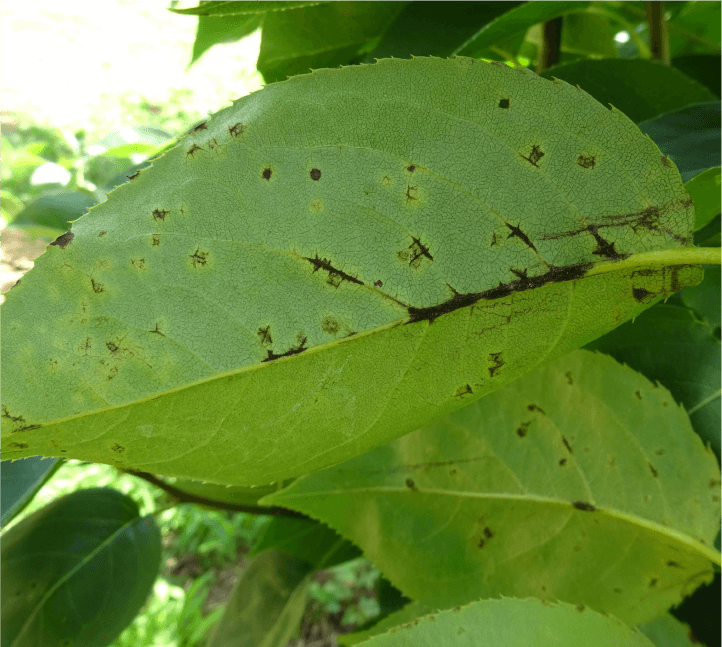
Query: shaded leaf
{"points": [[218, 317], [640, 89], [704, 189], [327, 35], [267, 603], [690, 136], [703, 68], [77, 571], [581, 482], [20, 482], [515, 20], [307, 539], [667, 631], [704, 298], [436, 28], [588, 34]]}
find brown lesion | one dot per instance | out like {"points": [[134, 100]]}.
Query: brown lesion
{"points": [[191, 152], [199, 258], [302, 341], [498, 362], [159, 214], [534, 156], [415, 253], [335, 276], [518, 233], [236, 130], [264, 334], [586, 161]]}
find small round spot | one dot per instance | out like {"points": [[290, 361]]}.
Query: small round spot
{"points": [[315, 174], [266, 174], [504, 103]]}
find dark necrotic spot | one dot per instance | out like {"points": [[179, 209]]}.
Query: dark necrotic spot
{"points": [[379, 284], [410, 484], [411, 168], [640, 294], [315, 174], [266, 175], [97, 287], [102, 233], [523, 429], [562, 462], [655, 473], [504, 103], [235, 130], [64, 240], [583, 505], [488, 533], [586, 161]]}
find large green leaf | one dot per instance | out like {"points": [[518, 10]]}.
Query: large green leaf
{"points": [[512, 623], [581, 482], [77, 571], [334, 261]]}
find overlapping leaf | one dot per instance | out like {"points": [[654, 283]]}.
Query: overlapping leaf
{"points": [[581, 482], [332, 262]]}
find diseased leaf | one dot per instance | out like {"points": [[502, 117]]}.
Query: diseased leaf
{"points": [[333, 262], [689, 367], [77, 571], [581, 482], [512, 623]]}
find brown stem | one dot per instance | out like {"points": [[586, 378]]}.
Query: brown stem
{"points": [[187, 497], [551, 42], [658, 37]]}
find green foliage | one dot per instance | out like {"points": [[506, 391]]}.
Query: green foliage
{"points": [[359, 294]]}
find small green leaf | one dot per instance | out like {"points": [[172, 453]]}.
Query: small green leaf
{"points": [[581, 482], [77, 571]]}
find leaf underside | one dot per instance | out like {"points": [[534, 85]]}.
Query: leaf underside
{"points": [[332, 262]]}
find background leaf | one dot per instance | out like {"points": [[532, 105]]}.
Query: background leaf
{"points": [[690, 136], [267, 603], [640, 89], [704, 189], [78, 570], [20, 481]]}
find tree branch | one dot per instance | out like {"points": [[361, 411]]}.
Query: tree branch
{"points": [[187, 497], [658, 37], [551, 42]]}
